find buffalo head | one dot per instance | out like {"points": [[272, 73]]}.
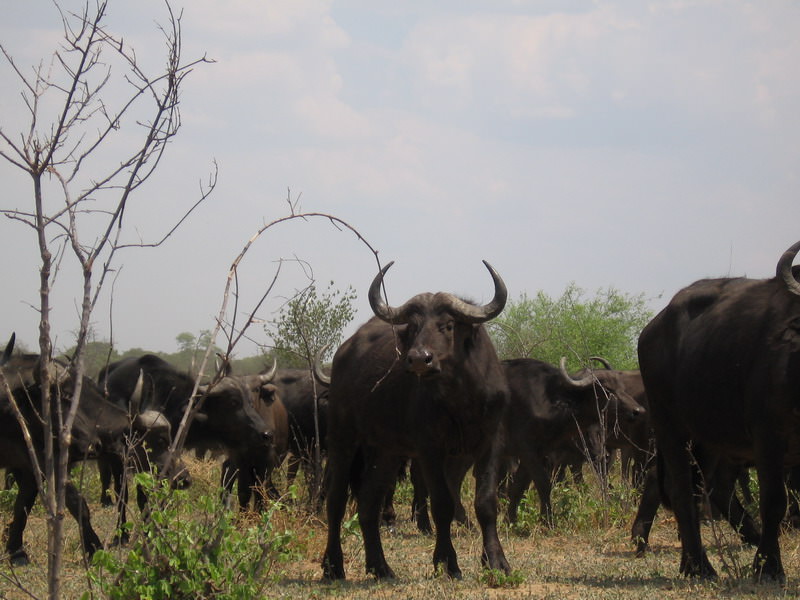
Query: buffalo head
{"points": [[439, 328]]}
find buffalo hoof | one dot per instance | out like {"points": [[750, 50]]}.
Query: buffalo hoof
{"points": [[701, 569], [19, 559], [497, 562], [382, 571], [121, 540], [768, 570], [106, 501], [331, 572]]}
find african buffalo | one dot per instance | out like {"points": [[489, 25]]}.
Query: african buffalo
{"points": [[226, 419], [547, 408], [253, 469], [99, 426], [421, 381], [721, 366], [306, 404]]}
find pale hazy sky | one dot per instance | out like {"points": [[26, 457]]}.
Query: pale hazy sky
{"points": [[640, 145]]}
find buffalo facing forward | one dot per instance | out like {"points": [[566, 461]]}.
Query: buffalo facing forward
{"points": [[421, 380]]}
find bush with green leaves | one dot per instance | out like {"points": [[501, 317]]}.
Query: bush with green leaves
{"points": [[309, 322], [196, 550], [574, 325]]}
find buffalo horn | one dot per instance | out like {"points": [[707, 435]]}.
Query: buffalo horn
{"points": [[319, 374], [784, 269], [464, 311], [583, 382], [602, 361], [9, 349], [267, 377], [136, 396]]}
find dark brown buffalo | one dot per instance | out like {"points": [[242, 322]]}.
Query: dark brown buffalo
{"points": [[721, 366], [253, 470], [226, 420], [633, 438], [549, 408], [99, 426], [422, 381]]}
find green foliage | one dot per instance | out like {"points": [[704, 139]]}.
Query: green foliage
{"points": [[97, 355], [192, 550], [310, 321], [573, 325], [579, 507], [495, 578]]}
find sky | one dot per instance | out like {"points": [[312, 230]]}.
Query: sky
{"points": [[636, 145]]}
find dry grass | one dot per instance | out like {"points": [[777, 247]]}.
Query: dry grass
{"points": [[589, 561]]}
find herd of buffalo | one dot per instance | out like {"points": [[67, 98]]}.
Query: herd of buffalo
{"points": [[718, 392]]}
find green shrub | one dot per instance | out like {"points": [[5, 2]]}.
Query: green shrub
{"points": [[192, 550]]}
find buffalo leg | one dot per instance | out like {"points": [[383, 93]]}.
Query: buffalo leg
{"points": [[723, 497], [767, 564], [443, 509], [485, 471], [380, 476], [419, 505], [544, 488], [105, 470], [337, 476], [517, 486], [646, 514], [26, 498], [676, 459], [80, 511]]}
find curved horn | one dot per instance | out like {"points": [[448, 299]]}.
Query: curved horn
{"points": [[583, 382], [463, 310], [9, 349], [784, 269], [383, 311], [319, 374], [135, 405], [269, 375], [480, 314], [602, 361]]}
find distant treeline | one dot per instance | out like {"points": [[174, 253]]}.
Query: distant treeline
{"points": [[188, 359]]}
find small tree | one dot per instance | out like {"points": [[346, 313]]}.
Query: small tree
{"points": [[572, 325], [309, 322], [191, 349], [306, 324], [83, 109]]}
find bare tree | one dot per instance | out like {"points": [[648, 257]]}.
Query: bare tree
{"points": [[75, 120]]}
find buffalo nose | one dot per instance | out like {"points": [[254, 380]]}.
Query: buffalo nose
{"points": [[420, 360]]}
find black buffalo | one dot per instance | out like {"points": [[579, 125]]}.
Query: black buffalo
{"points": [[549, 408], [422, 381], [99, 426], [721, 366], [306, 402], [226, 420]]}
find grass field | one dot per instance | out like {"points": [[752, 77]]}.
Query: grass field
{"points": [[587, 555]]}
